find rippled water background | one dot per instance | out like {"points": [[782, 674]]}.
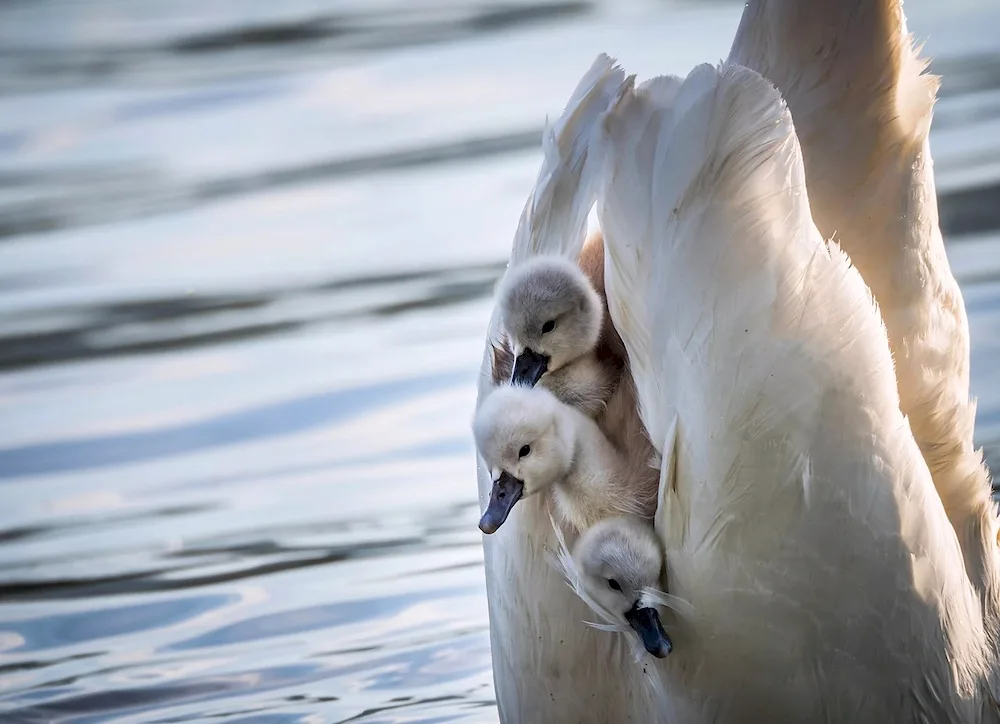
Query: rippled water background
{"points": [[246, 253]]}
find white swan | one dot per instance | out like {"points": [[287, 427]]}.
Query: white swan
{"points": [[548, 666], [534, 444], [616, 567], [800, 521], [862, 109], [555, 331], [552, 319]]}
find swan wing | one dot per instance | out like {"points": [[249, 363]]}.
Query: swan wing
{"points": [[554, 218], [685, 162], [667, 145], [797, 479]]}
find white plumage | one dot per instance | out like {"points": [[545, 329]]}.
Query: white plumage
{"points": [[811, 530], [554, 219], [803, 526], [862, 105]]}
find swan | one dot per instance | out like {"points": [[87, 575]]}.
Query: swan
{"points": [[533, 443], [862, 106], [616, 568], [582, 365], [798, 517], [552, 319], [548, 666]]}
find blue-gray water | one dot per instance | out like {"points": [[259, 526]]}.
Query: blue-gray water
{"points": [[246, 252]]}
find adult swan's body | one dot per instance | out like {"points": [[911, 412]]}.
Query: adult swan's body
{"points": [[873, 142], [802, 525]]}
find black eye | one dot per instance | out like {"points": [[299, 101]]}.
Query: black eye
{"points": [[524, 451], [614, 585], [548, 326]]}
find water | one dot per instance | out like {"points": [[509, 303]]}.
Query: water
{"points": [[246, 252]]}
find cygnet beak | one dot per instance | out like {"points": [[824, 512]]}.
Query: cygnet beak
{"points": [[646, 622], [506, 491], [529, 366]]}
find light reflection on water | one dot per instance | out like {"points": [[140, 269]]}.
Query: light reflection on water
{"points": [[246, 254]]}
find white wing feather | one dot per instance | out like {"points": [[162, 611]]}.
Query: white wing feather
{"points": [[757, 348], [554, 218]]}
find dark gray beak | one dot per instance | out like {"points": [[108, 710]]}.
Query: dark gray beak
{"points": [[529, 366], [506, 491], [646, 622]]}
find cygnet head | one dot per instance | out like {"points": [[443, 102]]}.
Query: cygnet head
{"points": [[527, 442], [618, 561], [551, 314]]}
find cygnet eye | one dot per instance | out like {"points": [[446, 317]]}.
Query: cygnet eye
{"points": [[524, 451], [614, 585], [548, 326]]}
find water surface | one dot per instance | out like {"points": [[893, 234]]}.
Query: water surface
{"points": [[246, 253]]}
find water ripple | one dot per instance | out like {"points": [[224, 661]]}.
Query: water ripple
{"points": [[281, 418], [236, 474]]}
